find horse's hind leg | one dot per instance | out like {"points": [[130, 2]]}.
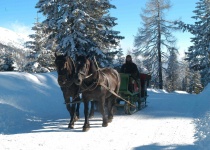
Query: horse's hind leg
{"points": [[111, 103], [102, 110]]}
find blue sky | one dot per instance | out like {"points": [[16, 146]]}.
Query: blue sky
{"points": [[128, 14], [19, 15]]}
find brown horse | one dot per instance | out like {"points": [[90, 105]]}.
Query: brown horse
{"points": [[96, 84], [65, 69]]}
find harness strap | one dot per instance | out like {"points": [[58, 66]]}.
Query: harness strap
{"points": [[89, 88], [116, 94], [93, 86]]}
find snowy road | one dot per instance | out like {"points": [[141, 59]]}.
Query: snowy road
{"points": [[167, 123], [157, 126]]}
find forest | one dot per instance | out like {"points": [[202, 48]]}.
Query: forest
{"points": [[85, 27]]}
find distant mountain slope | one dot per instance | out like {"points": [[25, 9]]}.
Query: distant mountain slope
{"points": [[11, 39]]}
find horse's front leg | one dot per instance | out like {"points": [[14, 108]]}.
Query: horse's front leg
{"points": [[77, 112], [92, 107], [68, 107], [77, 109], [72, 113], [86, 126], [102, 110]]}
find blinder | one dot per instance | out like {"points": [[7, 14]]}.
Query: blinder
{"points": [[84, 69]]}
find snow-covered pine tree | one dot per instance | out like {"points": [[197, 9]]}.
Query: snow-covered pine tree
{"points": [[154, 36], [12, 54], [194, 82], [40, 58], [191, 80], [184, 74], [198, 54], [82, 27], [7, 62], [120, 56], [120, 59], [172, 72]]}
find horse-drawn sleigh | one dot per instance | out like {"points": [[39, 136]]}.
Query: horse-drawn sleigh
{"points": [[98, 84], [133, 92]]}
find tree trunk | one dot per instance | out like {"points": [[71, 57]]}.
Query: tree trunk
{"points": [[159, 52]]}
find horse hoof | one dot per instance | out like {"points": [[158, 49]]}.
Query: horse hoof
{"points": [[109, 120], [104, 124], [85, 129], [71, 126]]}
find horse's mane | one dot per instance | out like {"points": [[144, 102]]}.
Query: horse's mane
{"points": [[69, 65], [93, 67]]}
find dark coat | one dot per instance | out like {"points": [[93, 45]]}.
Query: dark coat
{"points": [[130, 67]]}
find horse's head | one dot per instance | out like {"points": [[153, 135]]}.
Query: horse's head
{"points": [[64, 66], [83, 69]]}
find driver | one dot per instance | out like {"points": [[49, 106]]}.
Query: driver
{"points": [[131, 68]]}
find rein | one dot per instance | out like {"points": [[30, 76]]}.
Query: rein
{"points": [[116, 94]]}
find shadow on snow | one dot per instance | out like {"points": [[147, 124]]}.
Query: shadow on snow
{"points": [[159, 147]]}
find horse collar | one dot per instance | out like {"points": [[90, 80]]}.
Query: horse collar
{"points": [[94, 84]]}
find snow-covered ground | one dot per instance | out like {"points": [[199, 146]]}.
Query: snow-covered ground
{"points": [[33, 117]]}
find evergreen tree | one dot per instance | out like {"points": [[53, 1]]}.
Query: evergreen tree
{"points": [[154, 36], [11, 59], [191, 81], [185, 73], [40, 59], [198, 54], [172, 72], [194, 82], [120, 56], [120, 59], [80, 27], [7, 63]]}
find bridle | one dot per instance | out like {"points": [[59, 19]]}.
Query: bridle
{"points": [[95, 83], [87, 68]]}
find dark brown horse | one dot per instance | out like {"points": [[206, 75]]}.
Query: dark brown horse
{"points": [[66, 70], [96, 84]]}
